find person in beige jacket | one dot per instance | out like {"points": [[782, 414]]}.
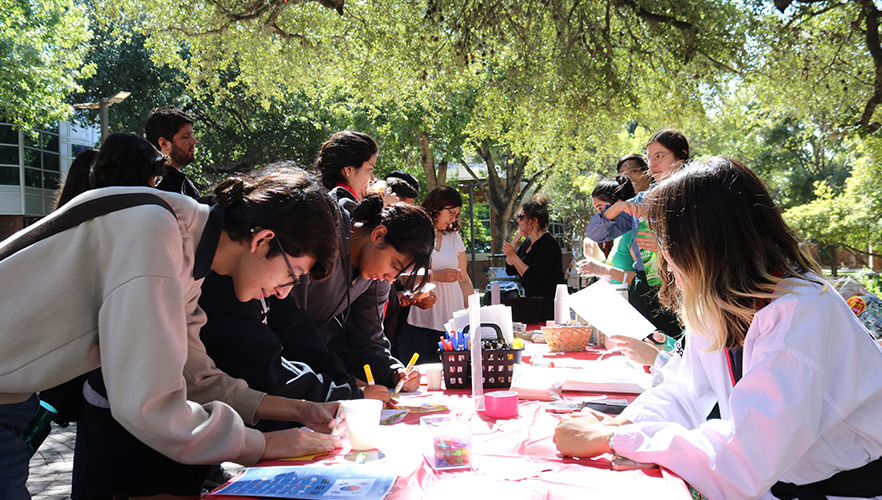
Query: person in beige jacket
{"points": [[120, 291]]}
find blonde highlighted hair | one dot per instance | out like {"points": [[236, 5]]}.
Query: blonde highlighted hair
{"points": [[730, 247]]}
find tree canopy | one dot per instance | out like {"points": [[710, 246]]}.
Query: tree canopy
{"points": [[42, 49], [543, 93]]}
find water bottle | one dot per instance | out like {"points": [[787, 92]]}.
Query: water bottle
{"points": [[39, 428]]}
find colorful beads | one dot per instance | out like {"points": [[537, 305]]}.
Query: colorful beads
{"points": [[452, 451]]}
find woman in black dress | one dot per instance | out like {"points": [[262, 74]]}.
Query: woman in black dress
{"points": [[538, 258]]}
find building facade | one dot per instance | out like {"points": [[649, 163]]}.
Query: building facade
{"points": [[32, 165]]}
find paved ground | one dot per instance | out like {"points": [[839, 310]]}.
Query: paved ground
{"points": [[51, 466], [50, 470]]}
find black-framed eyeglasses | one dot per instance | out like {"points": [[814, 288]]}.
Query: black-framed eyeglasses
{"points": [[288, 263], [520, 217]]}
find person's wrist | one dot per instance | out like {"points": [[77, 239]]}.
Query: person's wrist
{"points": [[609, 441], [297, 407]]}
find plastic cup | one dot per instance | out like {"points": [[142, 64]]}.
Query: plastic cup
{"points": [[433, 378], [363, 421], [451, 442]]}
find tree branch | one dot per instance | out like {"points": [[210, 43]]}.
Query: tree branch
{"points": [[257, 9], [656, 18], [860, 252], [871, 14], [469, 169]]}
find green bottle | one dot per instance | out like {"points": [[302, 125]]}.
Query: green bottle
{"points": [[39, 428]]}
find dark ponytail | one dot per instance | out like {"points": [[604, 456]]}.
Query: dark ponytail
{"points": [[613, 190], [229, 192], [409, 230], [287, 200], [344, 149], [126, 160]]}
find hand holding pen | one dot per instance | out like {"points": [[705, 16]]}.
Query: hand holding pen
{"points": [[407, 371], [372, 391]]}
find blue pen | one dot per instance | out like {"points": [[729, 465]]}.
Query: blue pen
{"points": [[440, 345]]}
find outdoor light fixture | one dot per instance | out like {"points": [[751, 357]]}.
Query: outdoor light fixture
{"points": [[102, 105]]}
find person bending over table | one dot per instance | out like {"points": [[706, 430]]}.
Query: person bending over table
{"points": [[376, 244], [276, 349], [111, 460], [538, 260], [767, 338], [118, 309]]}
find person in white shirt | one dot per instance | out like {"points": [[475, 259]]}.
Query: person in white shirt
{"points": [[779, 350], [453, 286]]}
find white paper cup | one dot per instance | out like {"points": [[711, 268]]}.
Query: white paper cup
{"points": [[363, 422], [433, 378]]}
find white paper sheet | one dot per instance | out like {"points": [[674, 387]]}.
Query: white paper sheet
{"points": [[605, 309], [498, 315]]}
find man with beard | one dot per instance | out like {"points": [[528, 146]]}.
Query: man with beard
{"points": [[170, 130]]}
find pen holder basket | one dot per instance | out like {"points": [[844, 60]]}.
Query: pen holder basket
{"points": [[567, 338], [497, 364]]}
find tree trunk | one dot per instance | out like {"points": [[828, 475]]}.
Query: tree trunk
{"points": [[427, 160], [506, 192], [834, 261]]}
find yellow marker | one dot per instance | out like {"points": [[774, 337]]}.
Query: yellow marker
{"points": [[400, 384], [338, 417], [368, 374]]}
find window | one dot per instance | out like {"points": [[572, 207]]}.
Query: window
{"points": [[9, 176], [9, 155], [8, 135], [31, 138], [50, 161], [50, 142], [76, 149], [51, 180], [33, 178], [32, 158]]}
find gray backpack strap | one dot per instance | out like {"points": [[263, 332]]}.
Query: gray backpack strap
{"points": [[81, 213]]}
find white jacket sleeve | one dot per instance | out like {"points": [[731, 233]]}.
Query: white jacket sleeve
{"points": [[685, 396]]}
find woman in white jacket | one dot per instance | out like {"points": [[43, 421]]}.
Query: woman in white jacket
{"points": [[779, 350]]}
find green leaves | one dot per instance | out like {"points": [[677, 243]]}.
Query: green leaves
{"points": [[42, 56]]}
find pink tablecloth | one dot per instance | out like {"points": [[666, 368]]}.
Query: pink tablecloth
{"points": [[513, 459]]}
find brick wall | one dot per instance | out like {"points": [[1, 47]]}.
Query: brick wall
{"points": [[9, 224]]}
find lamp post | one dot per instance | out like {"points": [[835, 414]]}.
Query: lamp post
{"points": [[102, 105]]}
